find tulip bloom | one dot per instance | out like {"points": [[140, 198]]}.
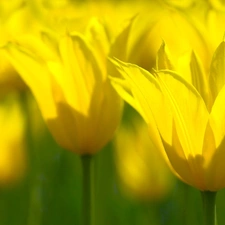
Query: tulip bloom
{"points": [[15, 19], [142, 171], [67, 76], [188, 123], [194, 27], [145, 33], [13, 160]]}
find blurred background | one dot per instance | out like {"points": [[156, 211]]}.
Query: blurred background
{"points": [[40, 183]]}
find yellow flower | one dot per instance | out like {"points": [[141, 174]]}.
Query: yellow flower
{"points": [[65, 15], [143, 173], [180, 4], [148, 30], [217, 4], [190, 127], [67, 76], [13, 161], [15, 19], [198, 27]]}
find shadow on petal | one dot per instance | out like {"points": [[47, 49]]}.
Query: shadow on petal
{"points": [[188, 168]]}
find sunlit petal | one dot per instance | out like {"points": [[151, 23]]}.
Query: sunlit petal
{"points": [[34, 73], [217, 71]]}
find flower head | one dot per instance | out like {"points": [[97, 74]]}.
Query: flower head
{"points": [[143, 173], [189, 125], [67, 76], [13, 159]]}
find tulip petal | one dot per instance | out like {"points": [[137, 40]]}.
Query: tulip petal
{"points": [[96, 36], [118, 49], [213, 165], [179, 162], [163, 60], [123, 88], [199, 79], [217, 118], [145, 95], [217, 70], [190, 119], [188, 109], [33, 71], [146, 91], [104, 127], [81, 69]]}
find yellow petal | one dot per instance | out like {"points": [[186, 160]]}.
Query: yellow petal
{"points": [[213, 165], [190, 119], [123, 88], [34, 72], [217, 70], [82, 71], [163, 58], [188, 109], [118, 48], [147, 97], [71, 129], [199, 79], [215, 144], [217, 117], [97, 37], [107, 118], [145, 89], [180, 163]]}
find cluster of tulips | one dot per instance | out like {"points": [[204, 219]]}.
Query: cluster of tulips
{"points": [[85, 61]]}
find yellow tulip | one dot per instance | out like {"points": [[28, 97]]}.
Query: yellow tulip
{"points": [[190, 127], [148, 30], [13, 161], [65, 15], [217, 4], [180, 4], [143, 173], [197, 27], [15, 19], [68, 78], [214, 31]]}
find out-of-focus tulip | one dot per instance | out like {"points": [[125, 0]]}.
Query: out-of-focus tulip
{"points": [[180, 4], [172, 27], [142, 171], [190, 127], [68, 78], [199, 28], [73, 16], [15, 19], [217, 4], [13, 161]]}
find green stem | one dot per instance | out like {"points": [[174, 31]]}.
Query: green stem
{"points": [[88, 190], [209, 207], [149, 213]]}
